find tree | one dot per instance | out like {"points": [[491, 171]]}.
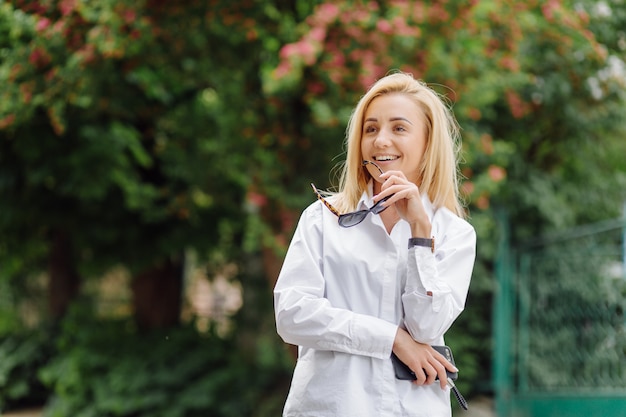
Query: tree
{"points": [[520, 76], [124, 139], [130, 131]]}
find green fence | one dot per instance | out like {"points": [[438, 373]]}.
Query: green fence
{"points": [[560, 325]]}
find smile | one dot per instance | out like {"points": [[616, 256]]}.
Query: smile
{"points": [[385, 158]]}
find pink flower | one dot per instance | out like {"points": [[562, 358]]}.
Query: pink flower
{"points": [[7, 121], [305, 51], [509, 63], [384, 26], [486, 141], [42, 24], [474, 113], [482, 202], [317, 34], [337, 59], [519, 108], [316, 87], [257, 199], [282, 70], [27, 92], [548, 9], [366, 80], [287, 51], [39, 58], [67, 6], [129, 16], [328, 11], [496, 173]]}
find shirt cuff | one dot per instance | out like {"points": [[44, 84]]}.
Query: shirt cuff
{"points": [[424, 278], [373, 336]]}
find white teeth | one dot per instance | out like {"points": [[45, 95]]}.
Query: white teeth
{"points": [[385, 158]]}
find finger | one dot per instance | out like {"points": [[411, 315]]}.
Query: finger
{"points": [[398, 186], [443, 382], [398, 174], [394, 179], [443, 377], [387, 192], [431, 373], [451, 367], [447, 364], [396, 194], [442, 366], [420, 377]]}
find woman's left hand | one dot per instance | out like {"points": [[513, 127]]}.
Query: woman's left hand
{"points": [[425, 362]]}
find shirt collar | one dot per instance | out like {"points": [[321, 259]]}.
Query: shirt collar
{"points": [[366, 198]]}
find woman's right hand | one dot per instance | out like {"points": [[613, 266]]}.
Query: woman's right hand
{"points": [[423, 360]]}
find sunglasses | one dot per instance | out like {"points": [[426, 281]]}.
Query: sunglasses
{"points": [[355, 217]]}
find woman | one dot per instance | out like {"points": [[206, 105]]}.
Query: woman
{"points": [[350, 292]]}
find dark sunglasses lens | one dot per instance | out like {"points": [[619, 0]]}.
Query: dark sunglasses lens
{"points": [[352, 219]]}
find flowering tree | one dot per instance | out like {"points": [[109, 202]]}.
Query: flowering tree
{"points": [[132, 130], [490, 59], [529, 82], [125, 131]]}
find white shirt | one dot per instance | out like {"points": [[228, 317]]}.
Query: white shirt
{"points": [[343, 292]]}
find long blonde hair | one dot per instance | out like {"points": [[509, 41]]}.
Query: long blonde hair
{"points": [[439, 171]]}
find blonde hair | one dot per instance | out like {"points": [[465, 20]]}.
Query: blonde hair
{"points": [[439, 171]]}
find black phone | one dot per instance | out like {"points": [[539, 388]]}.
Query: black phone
{"points": [[404, 372]]}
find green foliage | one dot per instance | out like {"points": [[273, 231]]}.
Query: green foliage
{"points": [[109, 369], [141, 128], [538, 95], [572, 301], [21, 355], [124, 115]]}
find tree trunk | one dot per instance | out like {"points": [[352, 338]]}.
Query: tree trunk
{"points": [[64, 283], [157, 295]]}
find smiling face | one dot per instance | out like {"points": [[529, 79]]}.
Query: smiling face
{"points": [[394, 136]]}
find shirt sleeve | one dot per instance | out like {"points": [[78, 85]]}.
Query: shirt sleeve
{"points": [[446, 274], [305, 317]]}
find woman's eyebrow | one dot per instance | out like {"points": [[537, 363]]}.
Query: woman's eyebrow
{"points": [[393, 119]]}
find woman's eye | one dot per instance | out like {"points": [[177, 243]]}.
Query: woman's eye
{"points": [[400, 128], [370, 129]]}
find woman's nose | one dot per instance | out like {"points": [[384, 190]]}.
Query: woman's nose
{"points": [[382, 140]]}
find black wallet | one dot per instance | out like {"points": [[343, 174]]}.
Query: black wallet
{"points": [[404, 372]]}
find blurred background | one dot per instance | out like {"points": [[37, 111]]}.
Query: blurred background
{"points": [[155, 156]]}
